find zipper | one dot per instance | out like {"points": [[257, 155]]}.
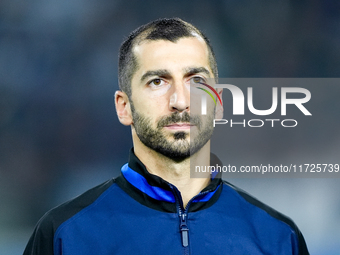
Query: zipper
{"points": [[183, 215], [184, 228]]}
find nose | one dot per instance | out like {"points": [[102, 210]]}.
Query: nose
{"points": [[180, 99]]}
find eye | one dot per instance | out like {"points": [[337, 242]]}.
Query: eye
{"points": [[198, 79], [156, 82]]}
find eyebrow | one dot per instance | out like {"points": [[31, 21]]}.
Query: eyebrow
{"points": [[194, 70], [161, 72], [165, 73]]}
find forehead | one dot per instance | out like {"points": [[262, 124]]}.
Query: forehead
{"points": [[162, 54]]}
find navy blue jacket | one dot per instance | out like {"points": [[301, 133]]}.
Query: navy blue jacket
{"points": [[140, 213]]}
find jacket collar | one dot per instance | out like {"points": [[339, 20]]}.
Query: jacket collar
{"points": [[155, 192]]}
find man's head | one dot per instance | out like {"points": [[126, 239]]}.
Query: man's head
{"points": [[162, 29], [157, 64]]}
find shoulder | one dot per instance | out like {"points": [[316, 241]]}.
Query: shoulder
{"points": [[41, 241], [265, 216], [257, 204], [68, 209]]}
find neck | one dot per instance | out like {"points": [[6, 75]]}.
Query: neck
{"points": [[176, 172]]}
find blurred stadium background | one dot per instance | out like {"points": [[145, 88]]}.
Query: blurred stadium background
{"points": [[58, 73]]}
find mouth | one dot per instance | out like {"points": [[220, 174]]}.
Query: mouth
{"points": [[179, 126]]}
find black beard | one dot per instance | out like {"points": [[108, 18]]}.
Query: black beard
{"points": [[180, 148]]}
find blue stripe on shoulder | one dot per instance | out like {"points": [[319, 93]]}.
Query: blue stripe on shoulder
{"points": [[140, 183]]}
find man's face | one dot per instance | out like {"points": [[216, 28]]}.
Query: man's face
{"points": [[162, 117]]}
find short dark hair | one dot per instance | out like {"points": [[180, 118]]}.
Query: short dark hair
{"points": [[162, 29]]}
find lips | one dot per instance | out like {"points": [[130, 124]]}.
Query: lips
{"points": [[179, 126]]}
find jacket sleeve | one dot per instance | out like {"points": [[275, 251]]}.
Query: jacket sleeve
{"points": [[302, 246], [41, 241]]}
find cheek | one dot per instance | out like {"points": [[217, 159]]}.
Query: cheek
{"points": [[151, 98], [151, 107], [156, 92], [197, 97]]}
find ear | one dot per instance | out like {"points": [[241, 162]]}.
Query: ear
{"points": [[123, 108], [219, 107]]}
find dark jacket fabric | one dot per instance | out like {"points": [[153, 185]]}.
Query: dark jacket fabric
{"points": [[140, 213]]}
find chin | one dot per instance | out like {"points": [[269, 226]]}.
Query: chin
{"points": [[181, 136]]}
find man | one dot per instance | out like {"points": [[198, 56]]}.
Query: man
{"points": [[154, 207]]}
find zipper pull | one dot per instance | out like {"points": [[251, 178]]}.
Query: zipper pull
{"points": [[184, 230]]}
